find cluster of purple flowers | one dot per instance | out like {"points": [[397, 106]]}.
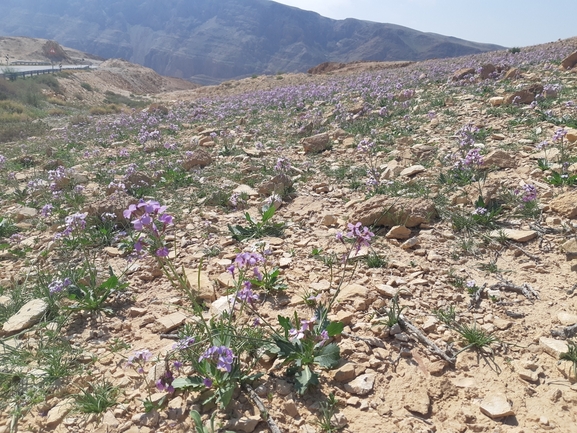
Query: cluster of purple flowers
{"points": [[46, 210], [360, 234], [559, 134], [246, 294], [283, 165], [2, 161], [57, 285], [165, 382], [245, 261], [221, 355], [306, 330], [528, 193], [149, 216], [184, 343], [466, 135], [75, 223], [473, 159], [139, 357], [479, 211], [366, 146]]}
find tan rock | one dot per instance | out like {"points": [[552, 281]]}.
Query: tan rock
{"points": [[206, 291], [566, 319], [499, 158], [512, 74], [398, 232], [515, 235], [487, 70], [412, 170], [497, 101], [381, 210], [571, 135], [410, 243], [362, 385], [58, 412], [245, 189], [552, 347], [417, 401], [496, 406], [345, 373], [462, 73], [197, 158], [279, 184], [172, 321], [565, 204], [316, 143], [519, 97], [329, 220], [28, 315], [569, 61], [570, 247]]}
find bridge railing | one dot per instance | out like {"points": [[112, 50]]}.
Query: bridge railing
{"points": [[13, 75]]}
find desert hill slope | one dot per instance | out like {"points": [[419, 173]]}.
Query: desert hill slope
{"points": [[214, 40]]}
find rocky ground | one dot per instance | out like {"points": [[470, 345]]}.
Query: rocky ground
{"points": [[405, 151]]}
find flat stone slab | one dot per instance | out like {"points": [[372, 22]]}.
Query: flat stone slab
{"points": [[515, 235], [496, 406], [362, 385], [553, 347], [28, 315], [172, 321], [566, 319]]}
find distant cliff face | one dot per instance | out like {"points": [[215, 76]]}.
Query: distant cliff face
{"points": [[214, 40]]}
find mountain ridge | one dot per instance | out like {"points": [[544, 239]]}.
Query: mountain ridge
{"points": [[217, 40]]}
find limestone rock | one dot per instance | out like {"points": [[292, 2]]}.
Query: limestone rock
{"points": [[417, 401], [512, 74], [412, 170], [462, 73], [149, 419], [496, 406], [565, 204], [113, 204], [222, 304], [553, 347], [345, 373], [487, 70], [172, 321], [381, 210], [410, 243], [244, 424], [196, 158], [316, 143], [28, 315], [245, 189], [499, 158], [109, 420], [398, 232], [566, 319], [496, 101], [206, 290], [58, 412], [357, 294], [362, 385], [329, 220], [26, 213], [569, 61], [515, 235], [279, 184], [571, 135]]}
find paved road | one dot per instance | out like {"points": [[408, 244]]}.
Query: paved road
{"points": [[24, 68]]}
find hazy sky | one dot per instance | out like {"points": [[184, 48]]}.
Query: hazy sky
{"points": [[511, 23]]}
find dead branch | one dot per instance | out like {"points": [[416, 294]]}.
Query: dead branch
{"points": [[413, 330], [525, 289], [263, 412]]}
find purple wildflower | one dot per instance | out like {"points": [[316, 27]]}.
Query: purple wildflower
{"points": [[183, 343], [222, 355]]}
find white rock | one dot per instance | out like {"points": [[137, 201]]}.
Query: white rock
{"points": [[566, 319], [362, 385], [398, 232], [553, 347], [28, 315], [496, 406]]}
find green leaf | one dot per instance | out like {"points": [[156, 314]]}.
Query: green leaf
{"points": [[286, 348], [285, 322], [335, 328], [225, 394], [187, 382], [329, 356], [305, 378], [268, 214]]}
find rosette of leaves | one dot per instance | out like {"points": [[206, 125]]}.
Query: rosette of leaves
{"points": [[302, 353], [257, 229]]}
